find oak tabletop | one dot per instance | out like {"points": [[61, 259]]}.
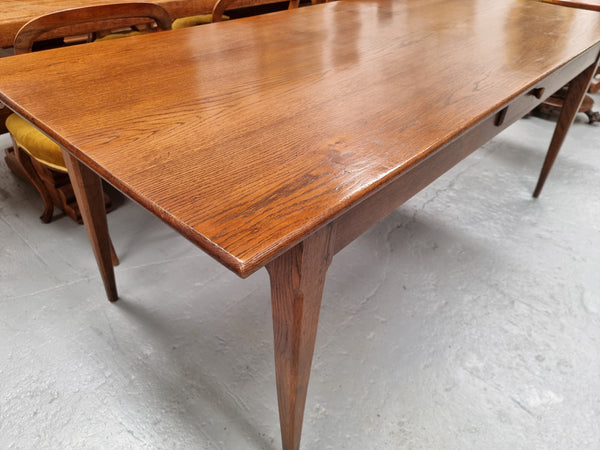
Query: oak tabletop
{"points": [[248, 136], [16, 13], [593, 5]]}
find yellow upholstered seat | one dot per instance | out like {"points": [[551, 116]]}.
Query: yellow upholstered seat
{"points": [[192, 21], [119, 35], [36, 143]]}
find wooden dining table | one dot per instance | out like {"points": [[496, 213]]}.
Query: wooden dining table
{"points": [[275, 141]]}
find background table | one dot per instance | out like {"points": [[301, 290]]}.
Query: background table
{"points": [[593, 5], [15, 13], [277, 140]]}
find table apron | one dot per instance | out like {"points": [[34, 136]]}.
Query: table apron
{"points": [[365, 214]]}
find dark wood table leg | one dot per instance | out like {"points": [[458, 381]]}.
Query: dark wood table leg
{"points": [[297, 280], [573, 98], [87, 187]]}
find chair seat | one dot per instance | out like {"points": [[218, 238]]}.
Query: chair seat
{"points": [[192, 21], [111, 36], [36, 143]]}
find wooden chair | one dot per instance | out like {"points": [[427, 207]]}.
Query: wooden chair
{"points": [[34, 156], [4, 113], [219, 9], [223, 5]]}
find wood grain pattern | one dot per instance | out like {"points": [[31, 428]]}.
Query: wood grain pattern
{"points": [[90, 196], [364, 215], [15, 13], [265, 129], [277, 140], [297, 281]]}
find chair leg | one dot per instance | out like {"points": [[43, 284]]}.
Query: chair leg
{"points": [[4, 113], [29, 171]]}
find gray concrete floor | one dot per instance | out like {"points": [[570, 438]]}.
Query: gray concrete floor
{"points": [[468, 319]]}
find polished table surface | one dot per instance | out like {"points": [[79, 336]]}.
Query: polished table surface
{"points": [[16, 13], [276, 140]]}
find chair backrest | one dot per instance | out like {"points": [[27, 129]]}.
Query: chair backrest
{"points": [[222, 5], [93, 21]]}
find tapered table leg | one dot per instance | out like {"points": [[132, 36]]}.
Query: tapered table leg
{"points": [[575, 94], [297, 280], [87, 187]]}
